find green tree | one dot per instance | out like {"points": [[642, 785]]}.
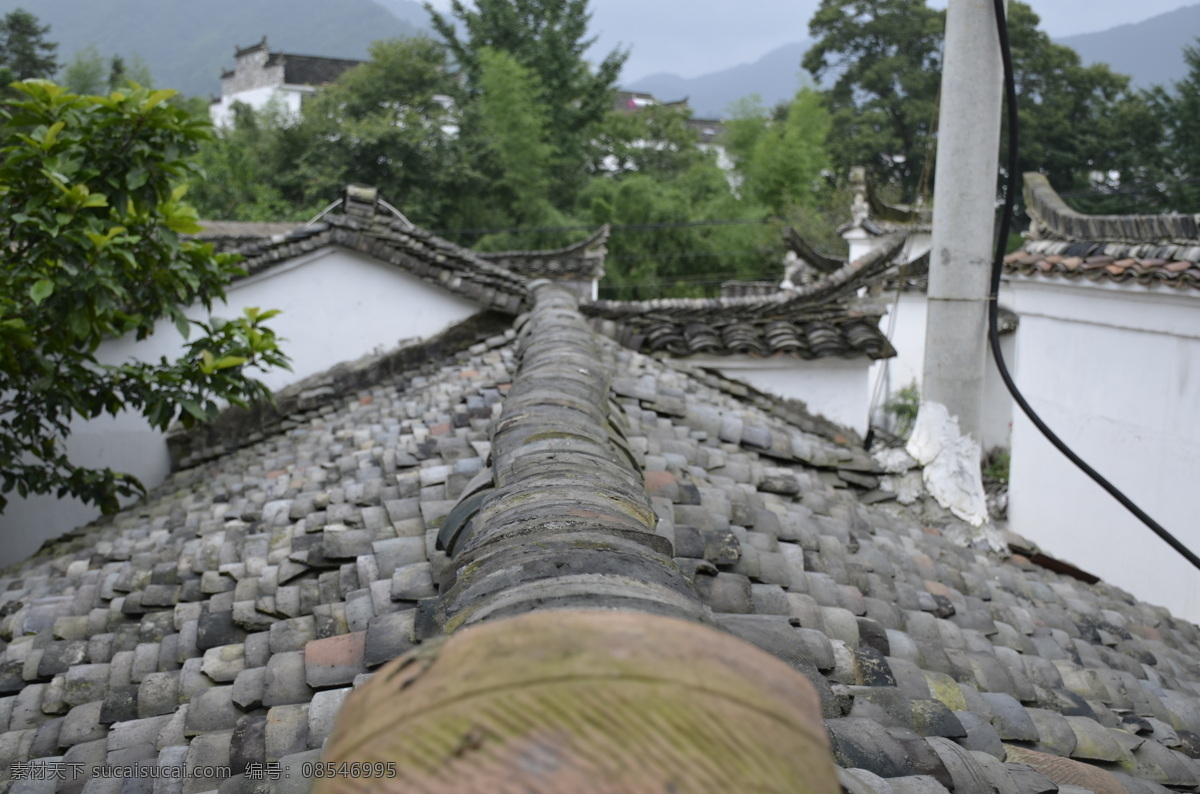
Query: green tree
{"points": [[681, 235], [886, 59], [385, 123], [84, 72], [24, 50], [1081, 126], [780, 158], [122, 73], [1180, 110], [513, 128], [87, 73], [240, 170], [548, 37], [654, 140], [92, 214]]}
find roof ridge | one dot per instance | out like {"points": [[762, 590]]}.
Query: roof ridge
{"points": [[835, 285], [556, 430], [1053, 218]]}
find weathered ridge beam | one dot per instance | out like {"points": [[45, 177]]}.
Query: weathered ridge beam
{"points": [[579, 657]]}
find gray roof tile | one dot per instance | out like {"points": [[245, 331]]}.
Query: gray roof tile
{"points": [[914, 643]]}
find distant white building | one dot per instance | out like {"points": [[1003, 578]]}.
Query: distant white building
{"points": [[261, 77]]}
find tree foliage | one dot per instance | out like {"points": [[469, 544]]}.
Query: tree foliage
{"points": [[511, 123], [780, 157], [25, 53], [549, 38], [92, 214], [84, 72], [885, 60], [1081, 125], [87, 72], [1179, 108]]}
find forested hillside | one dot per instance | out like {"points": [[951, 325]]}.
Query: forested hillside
{"points": [[187, 44]]}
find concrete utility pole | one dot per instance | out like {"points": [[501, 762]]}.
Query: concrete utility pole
{"points": [[964, 213]]}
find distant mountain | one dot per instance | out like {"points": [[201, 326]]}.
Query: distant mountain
{"points": [[1150, 51], [774, 77], [187, 44]]}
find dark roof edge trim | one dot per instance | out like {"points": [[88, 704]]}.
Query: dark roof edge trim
{"points": [[1053, 218], [598, 237], [812, 256], [848, 278]]}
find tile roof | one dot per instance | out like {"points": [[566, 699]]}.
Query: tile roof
{"points": [[878, 217], [365, 224], [584, 259], [1142, 249], [225, 619], [310, 69], [232, 235], [811, 321]]}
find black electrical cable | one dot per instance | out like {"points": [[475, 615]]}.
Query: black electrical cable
{"points": [[1010, 95]]}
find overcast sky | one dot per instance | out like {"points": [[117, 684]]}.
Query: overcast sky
{"points": [[698, 36]]}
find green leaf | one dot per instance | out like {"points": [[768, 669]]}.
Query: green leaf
{"points": [[52, 134], [136, 177], [194, 409], [184, 225], [225, 362], [158, 97], [78, 322], [42, 289]]}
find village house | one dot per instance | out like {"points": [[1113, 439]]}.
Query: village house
{"points": [[260, 78]]}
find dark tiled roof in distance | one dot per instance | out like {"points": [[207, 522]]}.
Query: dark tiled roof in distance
{"points": [[1055, 220], [310, 69], [848, 334], [843, 282], [1143, 249], [366, 226], [807, 322], [796, 243], [1146, 264], [584, 259], [230, 236]]}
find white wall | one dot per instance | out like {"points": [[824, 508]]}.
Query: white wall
{"points": [[998, 408], [908, 337], [337, 305], [908, 366], [288, 99], [1114, 370], [835, 388]]}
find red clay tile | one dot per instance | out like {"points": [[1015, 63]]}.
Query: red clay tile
{"points": [[659, 480], [334, 660]]}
